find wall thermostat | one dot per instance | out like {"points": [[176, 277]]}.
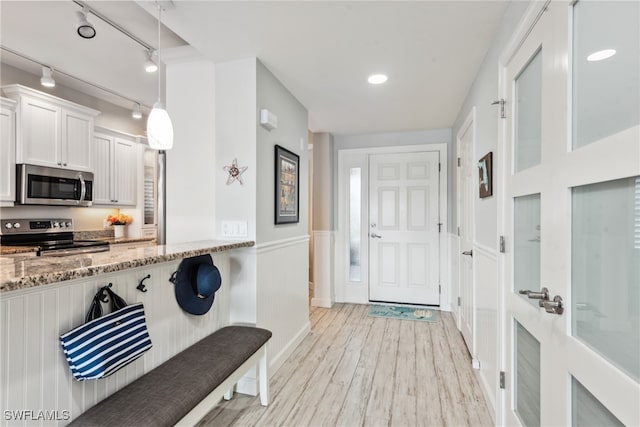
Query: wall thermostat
{"points": [[268, 120]]}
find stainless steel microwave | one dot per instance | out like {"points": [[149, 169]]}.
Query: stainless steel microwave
{"points": [[38, 185]]}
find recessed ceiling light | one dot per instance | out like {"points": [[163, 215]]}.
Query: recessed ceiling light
{"points": [[376, 79], [601, 54]]}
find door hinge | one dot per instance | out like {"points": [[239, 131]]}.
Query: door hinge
{"points": [[502, 375], [439, 289], [458, 301], [458, 231], [439, 227], [439, 167], [501, 101], [501, 244], [458, 161]]}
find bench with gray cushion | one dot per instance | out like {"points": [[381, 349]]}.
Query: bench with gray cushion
{"points": [[185, 387]]}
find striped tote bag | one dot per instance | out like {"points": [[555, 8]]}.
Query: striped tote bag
{"points": [[105, 344]]}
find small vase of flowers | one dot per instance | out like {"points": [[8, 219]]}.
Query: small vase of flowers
{"points": [[119, 222]]}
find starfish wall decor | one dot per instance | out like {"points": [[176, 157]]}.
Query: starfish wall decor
{"points": [[235, 172]]}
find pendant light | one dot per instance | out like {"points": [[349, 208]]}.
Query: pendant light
{"points": [[159, 126]]}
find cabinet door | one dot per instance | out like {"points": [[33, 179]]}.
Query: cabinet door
{"points": [[125, 172], [77, 134], [8, 157], [102, 164], [40, 133]]}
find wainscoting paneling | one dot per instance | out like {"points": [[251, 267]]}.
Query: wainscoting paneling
{"points": [[323, 248], [283, 296], [487, 331], [34, 375]]}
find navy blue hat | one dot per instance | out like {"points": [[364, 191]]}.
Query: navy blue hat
{"points": [[196, 283]]}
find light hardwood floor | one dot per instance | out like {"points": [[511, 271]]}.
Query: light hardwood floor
{"points": [[355, 370]]}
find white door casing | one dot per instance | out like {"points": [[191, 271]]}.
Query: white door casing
{"points": [[466, 173], [404, 228], [542, 172]]}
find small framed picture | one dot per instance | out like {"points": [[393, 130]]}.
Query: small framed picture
{"points": [[485, 171], [287, 186]]}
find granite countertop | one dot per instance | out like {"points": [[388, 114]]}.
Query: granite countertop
{"points": [[26, 271], [114, 241]]}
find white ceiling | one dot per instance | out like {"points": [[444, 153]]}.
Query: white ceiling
{"points": [[322, 51]]}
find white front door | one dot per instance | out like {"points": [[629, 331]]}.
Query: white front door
{"points": [[571, 217], [466, 171], [404, 227]]}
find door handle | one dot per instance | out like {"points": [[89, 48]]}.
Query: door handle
{"points": [[543, 295], [469, 252], [555, 306], [376, 236]]}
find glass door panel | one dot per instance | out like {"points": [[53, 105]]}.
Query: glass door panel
{"points": [[528, 122], [587, 410], [526, 243], [605, 267], [606, 69], [355, 224], [527, 379]]}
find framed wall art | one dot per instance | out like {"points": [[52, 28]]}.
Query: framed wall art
{"points": [[485, 171], [287, 186]]}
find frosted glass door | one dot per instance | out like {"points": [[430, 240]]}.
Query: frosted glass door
{"points": [[571, 217]]}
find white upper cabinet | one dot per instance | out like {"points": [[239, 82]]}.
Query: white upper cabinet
{"points": [[8, 156], [77, 133], [52, 131], [115, 168]]}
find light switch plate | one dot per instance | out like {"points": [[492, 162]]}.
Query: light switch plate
{"points": [[235, 229]]}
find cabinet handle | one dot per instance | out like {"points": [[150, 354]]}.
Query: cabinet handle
{"points": [[64, 164]]}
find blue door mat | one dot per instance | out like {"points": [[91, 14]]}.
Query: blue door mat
{"points": [[403, 313]]}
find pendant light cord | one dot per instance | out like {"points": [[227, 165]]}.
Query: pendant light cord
{"points": [[159, 55]]}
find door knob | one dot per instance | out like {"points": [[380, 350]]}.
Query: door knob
{"points": [[376, 236], [543, 295], [469, 252], [555, 306]]}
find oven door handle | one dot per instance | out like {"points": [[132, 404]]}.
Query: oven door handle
{"points": [[83, 188]]}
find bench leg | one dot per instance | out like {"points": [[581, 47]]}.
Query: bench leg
{"points": [[264, 378], [229, 394]]}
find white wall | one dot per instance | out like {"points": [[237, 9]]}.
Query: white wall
{"points": [[235, 118], [484, 91], [269, 282], [291, 133], [191, 171]]}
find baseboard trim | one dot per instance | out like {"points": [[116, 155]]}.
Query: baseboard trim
{"points": [[321, 302], [279, 359]]}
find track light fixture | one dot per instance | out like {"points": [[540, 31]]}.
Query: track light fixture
{"points": [[149, 65], [136, 113], [85, 29], [47, 77]]}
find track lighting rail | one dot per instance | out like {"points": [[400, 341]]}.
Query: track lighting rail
{"points": [[58, 71], [114, 25]]}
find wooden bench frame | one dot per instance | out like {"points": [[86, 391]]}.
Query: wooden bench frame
{"points": [[225, 389]]}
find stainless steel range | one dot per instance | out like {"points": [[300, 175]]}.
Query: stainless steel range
{"points": [[52, 237]]}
